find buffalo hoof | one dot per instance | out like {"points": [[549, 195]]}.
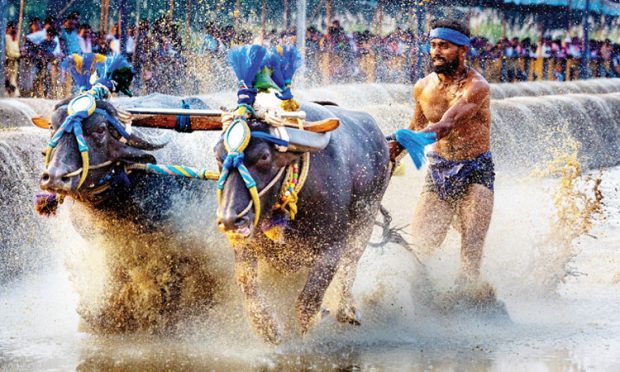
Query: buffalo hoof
{"points": [[348, 314], [266, 324], [271, 334], [306, 318]]}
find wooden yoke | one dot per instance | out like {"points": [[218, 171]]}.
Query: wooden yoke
{"points": [[167, 118], [198, 120], [170, 122]]}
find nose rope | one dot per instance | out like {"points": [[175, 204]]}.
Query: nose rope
{"points": [[90, 167], [263, 191], [237, 137]]}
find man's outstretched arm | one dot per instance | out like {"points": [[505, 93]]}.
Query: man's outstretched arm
{"points": [[466, 107]]}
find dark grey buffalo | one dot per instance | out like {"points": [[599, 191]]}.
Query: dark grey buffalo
{"points": [[337, 208], [146, 265]]}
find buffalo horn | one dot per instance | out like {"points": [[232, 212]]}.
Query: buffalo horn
{"points": [[143, 141], [41, 122], [303, 141]]}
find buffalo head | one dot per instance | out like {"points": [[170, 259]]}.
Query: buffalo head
{"points": [[265, 161], [108, 152]]}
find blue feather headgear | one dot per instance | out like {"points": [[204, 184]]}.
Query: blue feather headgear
{"points": [[246, 61], [82, 67], [284, 61]]}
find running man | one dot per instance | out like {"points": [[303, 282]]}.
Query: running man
{"points": [[453, 102]]}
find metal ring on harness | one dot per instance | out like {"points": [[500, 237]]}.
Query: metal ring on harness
{"points": [[236, 139], [79, 109]]}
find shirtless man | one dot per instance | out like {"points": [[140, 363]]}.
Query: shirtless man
{"points": [[453, 102]]}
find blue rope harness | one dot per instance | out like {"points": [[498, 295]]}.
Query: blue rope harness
{"points": [[72, 124], [183, 123], [269, 138], [245, 95], [120, 128], [234, 160], [286, 93]]}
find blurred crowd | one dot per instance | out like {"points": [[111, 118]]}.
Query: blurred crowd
{"points": [[167, 60]]}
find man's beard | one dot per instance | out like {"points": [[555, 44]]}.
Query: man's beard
{"points": [[448, 67]]}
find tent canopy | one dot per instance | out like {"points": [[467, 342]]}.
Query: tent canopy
{"points": [[607, 7]]}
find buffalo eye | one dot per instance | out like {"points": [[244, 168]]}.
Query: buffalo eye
{"points": [[264, 161], [98, 133]]}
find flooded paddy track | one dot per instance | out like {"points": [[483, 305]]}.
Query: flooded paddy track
{"points": [[562, 297]]}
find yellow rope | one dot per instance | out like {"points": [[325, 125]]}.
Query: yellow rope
{"points": [[290, 105], [304, 172], [289, 205]]}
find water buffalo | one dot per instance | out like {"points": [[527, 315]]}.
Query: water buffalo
{"points": [[147, 266], [336, 211]]}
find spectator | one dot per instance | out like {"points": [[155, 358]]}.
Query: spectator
{"points": [[69, 36], [12, 60], [113, 39], [210, 44], [85, 38], [50, 22], [130, 48], [606, 50], [42, 55]]}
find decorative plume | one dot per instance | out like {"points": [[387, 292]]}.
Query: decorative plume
{"points": [[273, 60], [246, 61], [47, 204], [284, 62], [290, 62], [118, 74], [82, 67], [415, 142]]}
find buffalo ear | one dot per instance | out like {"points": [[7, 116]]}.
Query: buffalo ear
{"points": [[282, 159], [43, 123]]}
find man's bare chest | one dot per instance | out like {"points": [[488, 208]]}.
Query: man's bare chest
{"points": [[435, 103]]}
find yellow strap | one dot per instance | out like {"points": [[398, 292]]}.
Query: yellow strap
{"points": [[48, 155], [214, 176], [304, 172], [85, 165], [256, 200]]}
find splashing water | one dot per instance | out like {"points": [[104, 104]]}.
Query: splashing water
{"points": [[578, 199], [578, 204], [541, 239]]}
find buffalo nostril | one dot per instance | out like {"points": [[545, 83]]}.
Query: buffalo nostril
{"points": [[228, 223], [240, 222]]}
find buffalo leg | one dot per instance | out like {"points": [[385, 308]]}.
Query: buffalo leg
{"points": [[319, 278], [358, 240], [262, 318]]}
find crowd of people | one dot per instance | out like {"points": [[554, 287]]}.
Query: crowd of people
{"points": [[32, 66], [167, 61]]}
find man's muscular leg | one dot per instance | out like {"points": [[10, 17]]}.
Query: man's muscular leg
{"points": [[431, 221], [474, 213]]}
